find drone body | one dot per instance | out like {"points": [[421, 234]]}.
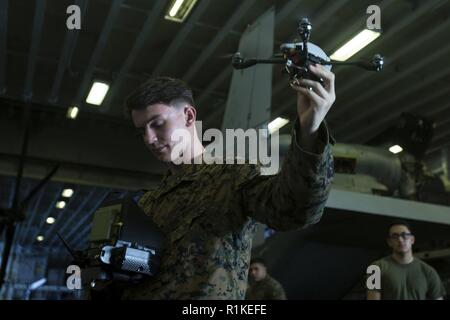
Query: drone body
{"points": [[297, 66]]}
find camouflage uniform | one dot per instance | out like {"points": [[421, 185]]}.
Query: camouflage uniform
{"points": [[209, 214], [265, 289]]}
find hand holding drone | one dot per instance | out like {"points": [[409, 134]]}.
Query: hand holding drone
{"points": [[297, 57]]}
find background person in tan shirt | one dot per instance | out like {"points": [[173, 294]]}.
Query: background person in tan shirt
{"points": [[403, 276]]}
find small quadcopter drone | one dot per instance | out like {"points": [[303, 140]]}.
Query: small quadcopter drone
{"points": [[297, 57]]}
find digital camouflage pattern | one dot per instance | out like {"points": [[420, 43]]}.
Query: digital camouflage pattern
{"points": [[265, 289], [209, 213]]}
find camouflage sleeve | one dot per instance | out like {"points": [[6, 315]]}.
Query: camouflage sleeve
{"points": [[296, 196]]}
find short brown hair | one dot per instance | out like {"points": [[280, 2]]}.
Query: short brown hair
{"points": [[164, 90], [258, 260]]}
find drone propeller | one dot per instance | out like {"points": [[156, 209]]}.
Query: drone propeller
{"points": [[236, 54], [376, 64], [238, 61]]}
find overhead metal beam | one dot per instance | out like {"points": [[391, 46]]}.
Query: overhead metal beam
{"points": [[348, 130], [286, 11], [216, 29], [142, 39], [3, 43], [373, 129], [84, 174], [70, 43], [387, 206], [207, 52], [213, 85], [45, 110], [101, 43], [38, 23], [47, 60], [178, 41]]}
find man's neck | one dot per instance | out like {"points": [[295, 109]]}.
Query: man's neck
{"points": [[403, 258], [197, 151]]}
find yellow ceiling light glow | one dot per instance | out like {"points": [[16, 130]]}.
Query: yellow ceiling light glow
{"points": [[396, 149], [277, 124], [67, 193], [97, 93], [179, 10], [354, 45], [60, 204], [72, 112]]}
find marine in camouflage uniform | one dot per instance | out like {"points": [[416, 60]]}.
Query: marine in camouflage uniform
{"points": [[209, 214], [266, 289], [261, 285]]}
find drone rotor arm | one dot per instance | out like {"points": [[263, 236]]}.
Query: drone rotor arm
{"points": [[240, 63]]}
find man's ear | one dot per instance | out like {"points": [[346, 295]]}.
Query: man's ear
{"points": [[190, 114], [413, 240]]}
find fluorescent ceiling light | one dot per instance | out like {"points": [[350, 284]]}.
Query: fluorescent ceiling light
{"points": [[40, 238], [67, 193], [277, 124], [37, 284], [179, 10], [176, 6], [356, 44], [395, 149], [50, 220], [97, 93], [60, 204], [72, 112]]}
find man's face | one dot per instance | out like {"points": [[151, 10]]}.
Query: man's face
{"points": [[156, 123], [257, 271], [400, 239]]}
